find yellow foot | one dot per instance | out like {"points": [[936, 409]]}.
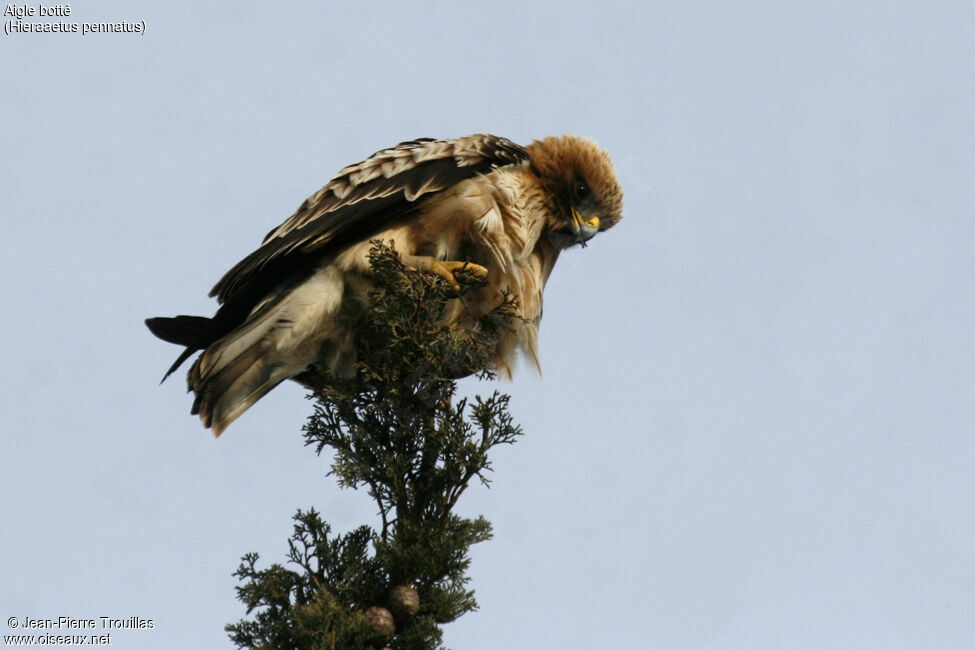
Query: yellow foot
{"points": [[449, 271]]}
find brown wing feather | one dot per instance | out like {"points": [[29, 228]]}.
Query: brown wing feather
{"points": [[365, 196]]}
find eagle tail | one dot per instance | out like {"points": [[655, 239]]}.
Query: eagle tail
{"points": [[191, 331], [242, 367], [224, 396]]}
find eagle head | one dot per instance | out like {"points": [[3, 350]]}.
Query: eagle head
{"points": [[580, 187]]}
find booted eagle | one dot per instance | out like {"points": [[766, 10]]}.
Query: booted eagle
{"points": [[479, 204]]}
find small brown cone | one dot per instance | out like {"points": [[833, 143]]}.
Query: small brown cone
{"points": [[381, 620], [404, 601]]}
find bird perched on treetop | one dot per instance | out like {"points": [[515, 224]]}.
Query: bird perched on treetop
{"points": [[479, 204]]}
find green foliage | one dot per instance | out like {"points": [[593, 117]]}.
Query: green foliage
{"points": [[394, 430], [315, 607]]}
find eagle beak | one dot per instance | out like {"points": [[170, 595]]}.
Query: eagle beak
{"points": [[584, 230], [579, 231]]}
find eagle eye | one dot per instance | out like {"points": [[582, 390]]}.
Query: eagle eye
{"points": [[580, 190]]}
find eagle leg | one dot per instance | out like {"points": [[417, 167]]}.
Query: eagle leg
{"points": [[446, 269]]}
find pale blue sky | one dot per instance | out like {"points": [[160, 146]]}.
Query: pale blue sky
{"points": [[756, 427]]}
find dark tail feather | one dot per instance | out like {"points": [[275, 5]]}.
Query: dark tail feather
{"points": [[190, 331], [181, 330]]}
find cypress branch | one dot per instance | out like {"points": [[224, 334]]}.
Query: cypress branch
{"points": [[397, 430]]}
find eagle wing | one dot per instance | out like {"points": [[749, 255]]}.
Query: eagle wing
{"points": [[361, 199]]}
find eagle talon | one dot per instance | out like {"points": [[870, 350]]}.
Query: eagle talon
{"points": [[450, 271]]}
